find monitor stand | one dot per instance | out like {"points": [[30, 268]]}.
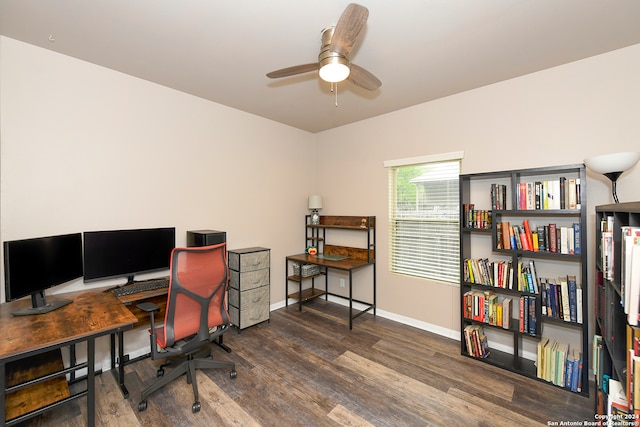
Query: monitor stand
{"points": [[39, 305]]}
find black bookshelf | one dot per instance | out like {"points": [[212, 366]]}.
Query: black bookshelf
{"points": [[482, 239]]}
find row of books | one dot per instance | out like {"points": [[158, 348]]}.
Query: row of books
{"points": [[559, 365], [623, 393], [562, 298], [501, 274], [543, 238], [498, 197], [633, 371], [476, 218], [562, 193], [487, 307], [616, 406], [630, 273], [476, 341], [606, 247], [528, 320], [496, 310]]}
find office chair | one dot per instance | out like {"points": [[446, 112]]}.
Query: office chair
{"points": [[196, 314]]}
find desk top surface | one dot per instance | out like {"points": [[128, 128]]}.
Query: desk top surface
{"points": [[90, 314], [348, 263]]}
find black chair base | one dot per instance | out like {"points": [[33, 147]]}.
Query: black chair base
{"points": [[200, 359]]}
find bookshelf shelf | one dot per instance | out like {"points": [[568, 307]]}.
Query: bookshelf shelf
{"points": [[505, 360], [515, 200]]}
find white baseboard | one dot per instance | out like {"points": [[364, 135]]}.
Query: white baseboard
{"points": [[425, 326]]}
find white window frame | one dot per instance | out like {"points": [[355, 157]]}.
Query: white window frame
{"points": [[442, 247]]}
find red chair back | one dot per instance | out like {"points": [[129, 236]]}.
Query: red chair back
{"points": [[197, 293]]}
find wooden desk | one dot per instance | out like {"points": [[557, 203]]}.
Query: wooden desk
{"points": [[91, 315], [156, 296], [356, 258]]}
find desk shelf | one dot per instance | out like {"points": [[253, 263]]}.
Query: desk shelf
{"points": [[307, 294], [41, 393]]}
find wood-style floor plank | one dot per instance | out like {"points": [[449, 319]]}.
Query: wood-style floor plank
{"points": [[307, 368]]}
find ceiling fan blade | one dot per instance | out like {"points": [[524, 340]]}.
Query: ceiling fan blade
{"points": [[364, 79], [348, 28], [292, 71]]}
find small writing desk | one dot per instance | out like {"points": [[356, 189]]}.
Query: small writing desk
{"points": [[339, 258], [91, 315]]}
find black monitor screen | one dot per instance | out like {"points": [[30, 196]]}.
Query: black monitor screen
{"points": [[33, 265], [124, 253]]}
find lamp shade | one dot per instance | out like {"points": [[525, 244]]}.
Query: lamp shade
{"points": [[315, 202], [616, 162], [612, 166]]}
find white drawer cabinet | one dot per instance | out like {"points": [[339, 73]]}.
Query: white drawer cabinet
{"points": [[249, 291]]}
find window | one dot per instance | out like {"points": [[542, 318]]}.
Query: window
{"points": [[424, 212]]}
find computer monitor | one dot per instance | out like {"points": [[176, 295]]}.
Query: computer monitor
{"points": [[33, 265], [125, 253]]}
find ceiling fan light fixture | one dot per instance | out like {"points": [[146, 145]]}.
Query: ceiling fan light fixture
{"points": [[334, 68]]}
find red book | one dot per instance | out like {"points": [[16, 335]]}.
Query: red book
{"points": [[524, 241], [527, 231], [521, 314]]}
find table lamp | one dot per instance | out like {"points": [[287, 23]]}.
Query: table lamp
{"points": [[612, 166], [315, 203]]}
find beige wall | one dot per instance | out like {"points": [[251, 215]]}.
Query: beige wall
{"points": [[557, 116], [85, 148]]}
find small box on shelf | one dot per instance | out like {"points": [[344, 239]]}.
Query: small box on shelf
{"points": [[307, 270]]}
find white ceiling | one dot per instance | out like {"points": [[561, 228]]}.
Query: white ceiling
{"points": [[421, 49]]}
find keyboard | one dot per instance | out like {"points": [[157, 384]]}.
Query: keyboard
{"points": [[138, 287]]}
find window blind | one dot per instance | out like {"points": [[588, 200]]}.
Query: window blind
{"points": [[424, 222]]}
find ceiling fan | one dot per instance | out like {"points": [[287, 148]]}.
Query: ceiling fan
{"points": [[333, 63]]}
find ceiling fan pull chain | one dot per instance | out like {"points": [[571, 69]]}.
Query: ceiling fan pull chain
{"points": [[336, 93]]}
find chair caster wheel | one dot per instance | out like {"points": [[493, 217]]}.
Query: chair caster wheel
{"points": [[233, 374], [160, 373], [196, 407], [142, 406]]}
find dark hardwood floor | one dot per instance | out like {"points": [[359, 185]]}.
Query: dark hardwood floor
{"points": [[308, 369]]}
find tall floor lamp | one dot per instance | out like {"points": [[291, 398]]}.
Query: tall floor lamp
{"points": [[612, 166]]}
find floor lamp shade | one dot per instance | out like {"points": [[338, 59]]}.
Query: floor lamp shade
{"points": [[612, 166]]}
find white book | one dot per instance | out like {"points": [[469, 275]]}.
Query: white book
{"points": [[571, 194], [571, 240], [564, 242], [629, 236], [556, 194], [634, 290], [579, 304], [564, 289]]}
